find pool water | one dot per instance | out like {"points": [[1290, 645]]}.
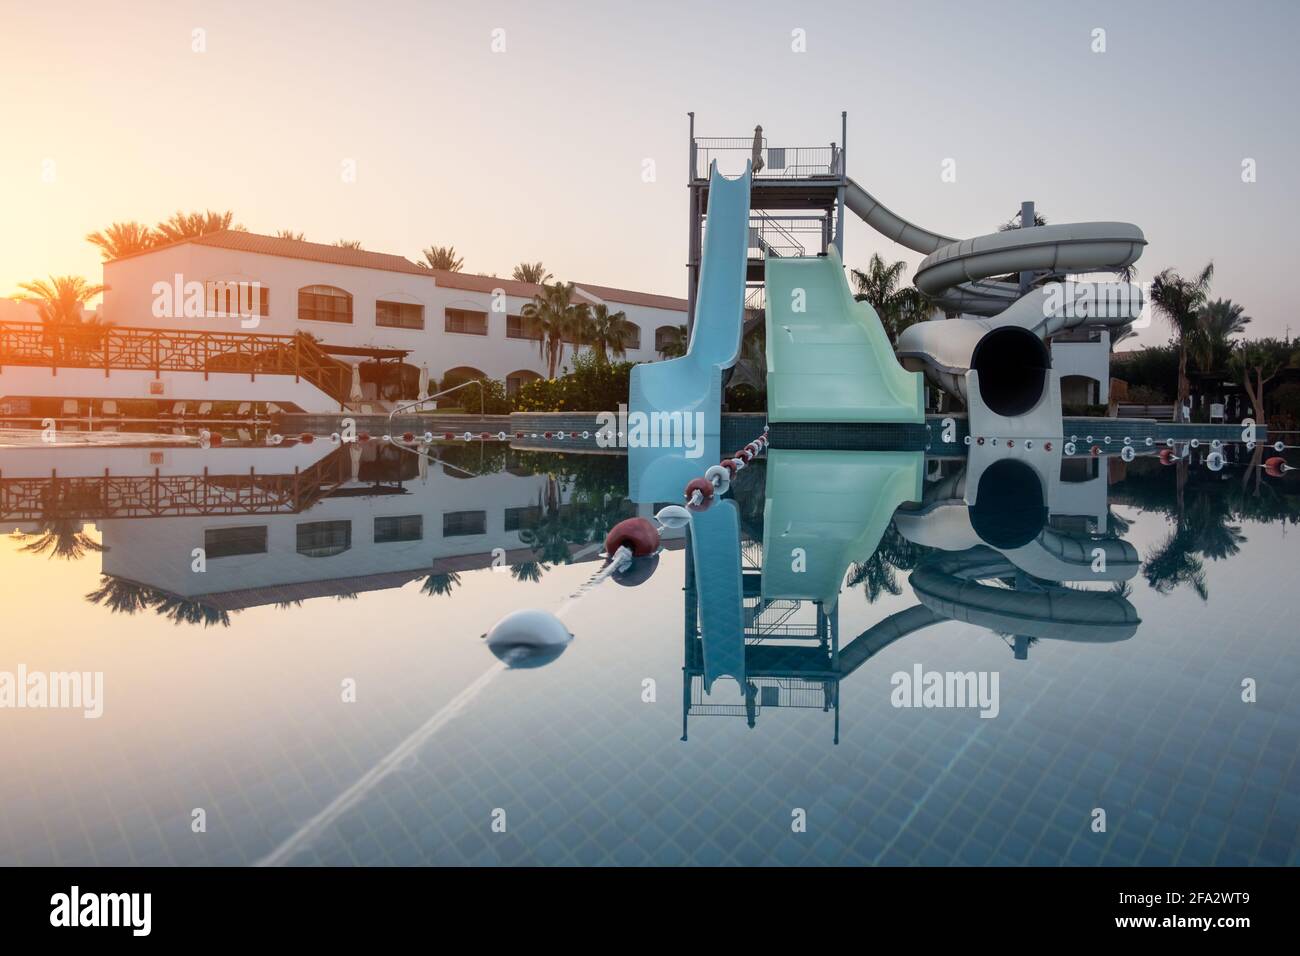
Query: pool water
{"points": [[313, 685]]}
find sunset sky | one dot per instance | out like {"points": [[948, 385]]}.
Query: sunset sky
{"points": [[537, 152]]}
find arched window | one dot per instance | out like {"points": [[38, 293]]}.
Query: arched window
{"points": [[324, 303], [516, 380], [669, 340]]}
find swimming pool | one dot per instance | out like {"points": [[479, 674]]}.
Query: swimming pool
{"points": [[293, 666]]}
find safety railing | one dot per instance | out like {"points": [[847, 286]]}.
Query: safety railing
{"points": [[112, 348], [777, 162]]}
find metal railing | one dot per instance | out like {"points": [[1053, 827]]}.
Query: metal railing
{"points": [[785, 236], [177, 350], [779, 162]]}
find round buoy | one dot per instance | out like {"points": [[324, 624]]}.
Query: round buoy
{"points": [[718, 476], [1278, 446], [730, 465], [1276, 467], [966, 440], [705, 487], [306, 438], [428, 437], [1128, 453], [1214, 461], [1095, 450], [675, 516], [215, 439], [1070, 448], [335, 437], [638, 534], [363, 436], [408, 437], [528, 638], [1167, 456], [1196, 443], [1047, 446], [276, 439], [1149, 440]]}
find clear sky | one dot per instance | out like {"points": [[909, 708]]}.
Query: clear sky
{"points": [[537, 152]]}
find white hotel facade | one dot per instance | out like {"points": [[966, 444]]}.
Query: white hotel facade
{"points": [[355, 299]]}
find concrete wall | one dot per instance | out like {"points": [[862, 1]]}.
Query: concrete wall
{"points": [[130, 301], [167, 387]]}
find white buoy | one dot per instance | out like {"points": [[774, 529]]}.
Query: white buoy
{"points": [[1070, 448], [528, 638], [673, 516], [1214, 461], [1128, 453]]}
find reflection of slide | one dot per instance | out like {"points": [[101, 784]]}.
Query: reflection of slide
{"points": [[692, 385], [1000, 366], [824, 511], [950, 585], [715, 549], [828, 358]]}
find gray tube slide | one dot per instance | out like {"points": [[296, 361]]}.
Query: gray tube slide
{"points": [[1007, 344]]}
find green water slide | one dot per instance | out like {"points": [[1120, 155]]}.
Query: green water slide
{"points": [[828, 357], [826, 510]]}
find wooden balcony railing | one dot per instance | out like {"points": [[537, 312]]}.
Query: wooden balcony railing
{"points": [[111, 347]]}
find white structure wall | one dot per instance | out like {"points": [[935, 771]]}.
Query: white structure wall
{"points": [[130, 301]]}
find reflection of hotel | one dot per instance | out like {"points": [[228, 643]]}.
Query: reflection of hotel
{"points": [[356, 299], [296, 521]]}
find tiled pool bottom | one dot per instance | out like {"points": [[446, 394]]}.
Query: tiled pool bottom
{"points": [[247, 724]]}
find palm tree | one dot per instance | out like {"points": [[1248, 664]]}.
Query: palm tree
{"points": [[1211, 341], [1180, 301], [189, 225], [533, 272], [122, 239], [608, 333], [60, 300], [897, 307], [443, 258], [348, 243], [122, 596], [674, 341], [559, 320], [290, 234]]}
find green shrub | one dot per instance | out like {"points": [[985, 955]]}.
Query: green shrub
{"points": [[590, 387]]}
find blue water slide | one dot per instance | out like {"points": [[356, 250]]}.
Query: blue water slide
{"points": [[692, 383]]}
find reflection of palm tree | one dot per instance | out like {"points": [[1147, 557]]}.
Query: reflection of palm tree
{"points": [[528, 571], [436, 584], [62, 522], [876, 573], [121, 596], [1174, 564]]}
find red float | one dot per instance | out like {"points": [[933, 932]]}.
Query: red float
{"points": [[1167, 456], [705, 488], [363, 436], [1275, 467], [639, 535], [306, 438], [408, 437], [214, 439]]}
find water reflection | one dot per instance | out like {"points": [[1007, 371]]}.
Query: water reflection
{"points": [[1021, 542]]}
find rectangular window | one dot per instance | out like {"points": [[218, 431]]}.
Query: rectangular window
{"points": [[456, 524], [399, 528], [320, 539], [517, 519], [523, 327], [231, 542], [399, 315], [464, 320], [324, 303]]}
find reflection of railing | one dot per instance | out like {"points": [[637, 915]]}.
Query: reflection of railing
{"points": [[779, 162], [177, 350], [786, 692], [157, 496]]}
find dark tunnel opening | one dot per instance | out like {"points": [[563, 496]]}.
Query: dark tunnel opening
{"points": [[1010, 506], [1012, 363]]}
